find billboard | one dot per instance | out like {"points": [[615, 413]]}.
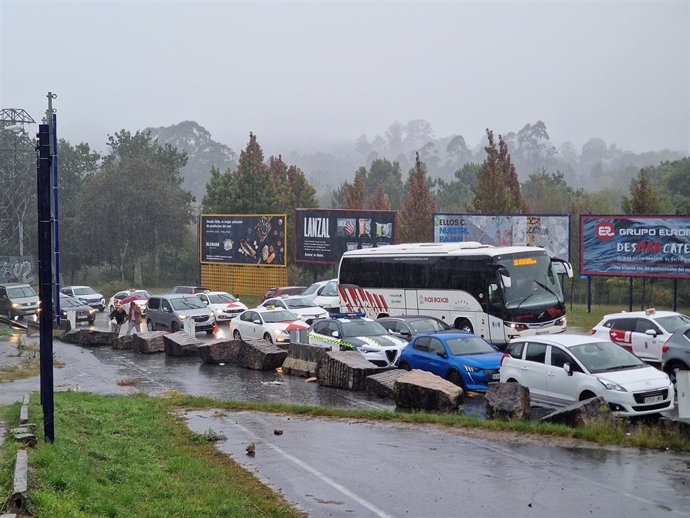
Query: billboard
{"points": [[322, 235], [637, 246], [243, 239], [551, 232]]}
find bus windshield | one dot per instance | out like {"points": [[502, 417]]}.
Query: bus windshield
{"points": [[534, 286]]}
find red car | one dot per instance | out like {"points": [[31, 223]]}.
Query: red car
{"points": [[285, 290]]}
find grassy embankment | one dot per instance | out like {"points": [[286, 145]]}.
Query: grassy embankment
{"points": [[129, 456], [28, 360]]}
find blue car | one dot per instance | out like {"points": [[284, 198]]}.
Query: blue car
{"points": [[464, 359]]}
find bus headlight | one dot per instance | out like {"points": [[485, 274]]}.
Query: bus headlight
{"points": [[560, 322], [517, 327]]}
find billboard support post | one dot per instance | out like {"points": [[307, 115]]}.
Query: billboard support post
{"points": [[589, 294], [675, 294], [630, 295]]}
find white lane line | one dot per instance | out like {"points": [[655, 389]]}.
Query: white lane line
{"points": [[315, 472]]}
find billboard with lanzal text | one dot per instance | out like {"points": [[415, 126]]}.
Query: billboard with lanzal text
{"points": [[243, 239], [322, 235], [636, 246], [551, 232]]}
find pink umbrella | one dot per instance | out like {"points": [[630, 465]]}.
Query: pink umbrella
{"points": [[131, 298]]}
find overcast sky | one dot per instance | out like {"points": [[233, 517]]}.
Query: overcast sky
{"points": [[327, 71]]}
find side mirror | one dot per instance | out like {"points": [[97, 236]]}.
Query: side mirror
{"points": [[650, 332], [205, 302], [405, 333], [258, 322], [442, 354], [335, 334], [567, 369], [505, 276]]}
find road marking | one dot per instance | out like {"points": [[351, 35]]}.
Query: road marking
{"points": [[315, 472]]}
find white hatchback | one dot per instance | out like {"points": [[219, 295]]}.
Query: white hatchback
{"points": [[562, 369], [300, 306], [225, 306], [324, 294], [269, 324], [643, 333]]}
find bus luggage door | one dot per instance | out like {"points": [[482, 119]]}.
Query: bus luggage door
{"points": [[411, 302]]}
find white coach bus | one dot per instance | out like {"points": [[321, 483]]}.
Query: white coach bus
{"points": [[499, 293]]}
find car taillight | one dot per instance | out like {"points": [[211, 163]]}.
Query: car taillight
{"points": [[505, 355], [665, 348]]}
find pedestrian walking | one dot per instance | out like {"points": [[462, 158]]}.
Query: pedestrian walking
{"points": [[133, 317], [117, 317]]}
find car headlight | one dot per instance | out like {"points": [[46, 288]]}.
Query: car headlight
{"points": [[469, 368], [610, 385], [183, 317], [103, 302], [280, 332], [16, 305], [92, 311], [213, 313], [365, 349]]}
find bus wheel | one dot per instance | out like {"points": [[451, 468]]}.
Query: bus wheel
{"points": [[462, 324]]}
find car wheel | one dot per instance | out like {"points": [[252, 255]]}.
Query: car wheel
{"points": [[236, 335], [209, 331], [587, 395], [174, 327], [268, 338], [91, 321], [405, 366], [673, 367], [464, 325], [149, 325], [454, 377], [100, 310]]}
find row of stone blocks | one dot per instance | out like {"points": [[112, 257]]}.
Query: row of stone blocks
{"points": [[251, 354]]}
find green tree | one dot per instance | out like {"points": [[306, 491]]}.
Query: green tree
{"points": [[497, 188], [415, 217], [545, 192], [141, 207], [386, 175], [643, 196], [77, 165], [456, 195]]}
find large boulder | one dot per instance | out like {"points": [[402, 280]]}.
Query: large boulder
{"points": [[89, 337], [422, 390], [345, 369], [383, 383], [507, 401], [181, 344], [125, 342], [302, 359], [220, 351], [581, 413], [149, 342], [260, 355]]}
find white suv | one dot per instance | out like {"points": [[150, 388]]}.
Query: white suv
{"points": [[561, 369], [324, 294], [643, 333]]}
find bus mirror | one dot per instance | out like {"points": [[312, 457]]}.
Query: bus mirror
{"points": [[566, 266], [505, 276]]}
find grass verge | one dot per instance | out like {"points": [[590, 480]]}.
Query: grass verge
{"points": [[129, 456]]}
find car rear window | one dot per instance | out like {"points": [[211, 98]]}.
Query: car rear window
{"points": [[515, 349], [672, 323], [536, 353]]}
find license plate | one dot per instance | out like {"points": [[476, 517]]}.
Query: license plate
{"points": [[495, 376], [542, 332], [653, 399]]}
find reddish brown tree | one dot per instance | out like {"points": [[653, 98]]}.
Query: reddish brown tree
{"points": [[415, 216], [355, 193]]}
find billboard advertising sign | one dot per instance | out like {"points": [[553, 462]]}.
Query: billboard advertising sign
{"points": [[637, 246], [243, 239], [551, 232], [322, 235]]}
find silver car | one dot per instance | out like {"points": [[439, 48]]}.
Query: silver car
{"points": [[168, 312], [675, 353]]}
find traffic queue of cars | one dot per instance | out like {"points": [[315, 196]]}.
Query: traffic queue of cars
{"points": [[613, 362]]}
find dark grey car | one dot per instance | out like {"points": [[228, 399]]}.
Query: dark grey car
{"points": [[168, 312], [406, 326], [675, 353]]}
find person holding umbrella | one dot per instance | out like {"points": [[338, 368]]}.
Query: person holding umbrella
{"points": [[133, 314]]}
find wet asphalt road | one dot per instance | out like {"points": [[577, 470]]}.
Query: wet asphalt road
{"points": [[331, 467], [349, 468]]}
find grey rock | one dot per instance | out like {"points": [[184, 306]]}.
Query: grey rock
{"points": [[507, 401], [220, 351], [181, 344], [260, 355], [345, 369], [383, 384], [302, 359], [581, 413], [422, 390], [149, 342], [125, 342], [89, 337]]}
